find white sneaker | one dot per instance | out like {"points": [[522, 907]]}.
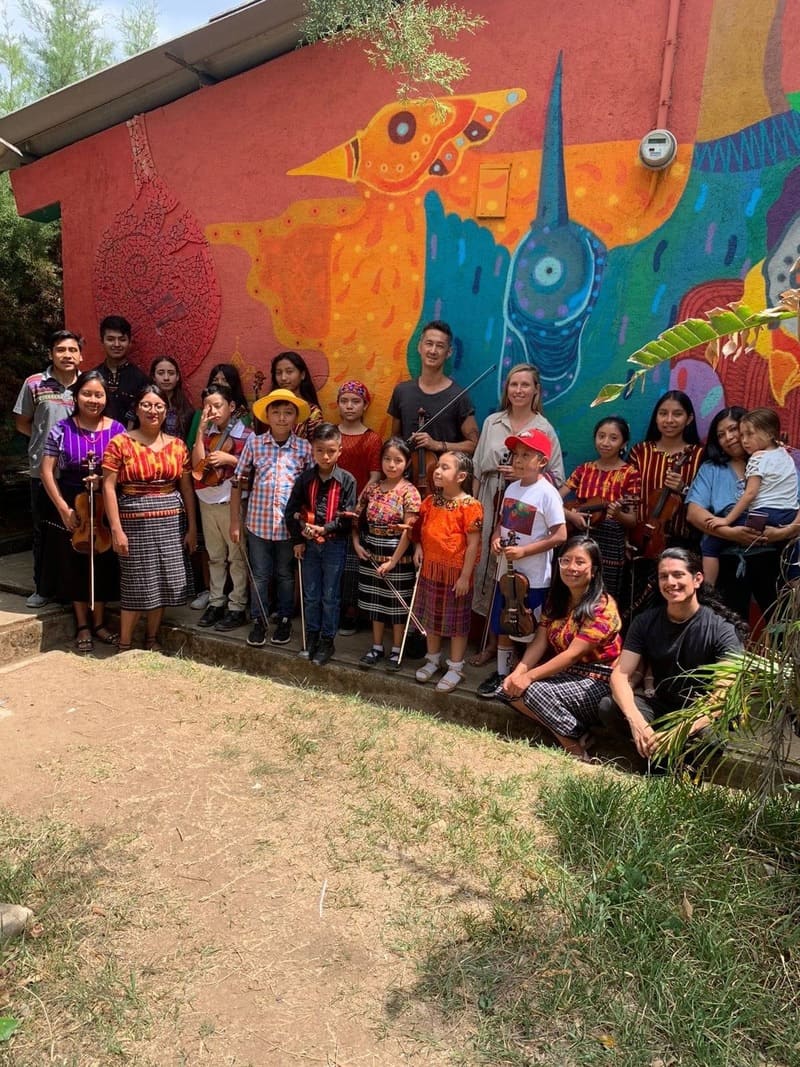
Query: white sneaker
{"points": [[35, 600], [200, 602]]}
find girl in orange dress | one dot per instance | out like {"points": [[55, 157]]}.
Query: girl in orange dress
{"points": [[448, 533]]}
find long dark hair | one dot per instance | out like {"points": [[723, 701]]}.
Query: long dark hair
{"points": [[83, 379], [156, 390], [558, 597], [400, 445], [307, 390], [690, 434], [706, 594], [177, 401], [714, 452], [233, 380]]}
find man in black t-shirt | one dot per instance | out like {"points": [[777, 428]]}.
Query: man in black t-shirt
{"points": [[672, 641], [123, 379], [457, 429]]}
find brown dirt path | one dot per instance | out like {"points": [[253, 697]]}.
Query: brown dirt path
{"points": [[268, 862]]}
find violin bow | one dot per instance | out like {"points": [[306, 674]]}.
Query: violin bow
{"points": [[91, 464], [399, 597], [450, 403], [408, 620]]}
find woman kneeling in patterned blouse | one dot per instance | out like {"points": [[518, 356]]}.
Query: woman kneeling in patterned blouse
{"points": [[565, 670]]}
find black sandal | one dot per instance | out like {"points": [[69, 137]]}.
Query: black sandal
{"points": [[84, 644], [102, 633], [152, 644]]}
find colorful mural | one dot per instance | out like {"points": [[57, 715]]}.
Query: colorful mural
{"points": [[518, 211], [595, 254]]}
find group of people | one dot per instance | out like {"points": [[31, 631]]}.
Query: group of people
{"points": [[442, 522]]}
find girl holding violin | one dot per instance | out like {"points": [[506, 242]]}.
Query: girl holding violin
{"points": [[520, 410], [220, 440], [565, 671], [152, 519], [604, 490], [667, 461], [70, 471]]}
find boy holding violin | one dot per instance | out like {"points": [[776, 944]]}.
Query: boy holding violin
{"points": [[530, 526], [217, 447]]}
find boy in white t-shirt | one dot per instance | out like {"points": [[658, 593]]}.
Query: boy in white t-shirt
{"points": [[531, 525]]}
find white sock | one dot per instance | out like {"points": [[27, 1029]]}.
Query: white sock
{"points": [[396, 648], [378, 648], [504, 657]]}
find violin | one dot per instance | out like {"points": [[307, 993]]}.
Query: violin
{"points": [[93, 534], [205, 474], [423, 460], [596, 508], [650, 535], [516, 618], [306, 518]]}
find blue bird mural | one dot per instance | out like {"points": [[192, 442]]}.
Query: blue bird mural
{"points": [[555, 273]]}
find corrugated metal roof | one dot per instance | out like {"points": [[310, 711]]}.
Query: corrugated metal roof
{"points": [[229, 44]]}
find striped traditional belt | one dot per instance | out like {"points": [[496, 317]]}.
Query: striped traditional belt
{"points": [[384, 531], [151, 490], [600, 671]]}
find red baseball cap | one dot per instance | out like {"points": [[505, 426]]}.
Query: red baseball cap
{"points": [[535, 439]]}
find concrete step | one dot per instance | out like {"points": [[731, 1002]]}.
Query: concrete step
{"points": [[25, 632]]}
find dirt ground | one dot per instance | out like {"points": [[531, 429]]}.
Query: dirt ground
{"points": [[269, 864]]}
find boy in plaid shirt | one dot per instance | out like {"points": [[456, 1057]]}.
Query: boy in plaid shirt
{"points": [[275, 458]]}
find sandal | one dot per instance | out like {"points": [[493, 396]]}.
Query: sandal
{"points": [[152, 644], [453, 677], [123, 648], [428, 669], [480, 659], [84, 644], [102, 633]]}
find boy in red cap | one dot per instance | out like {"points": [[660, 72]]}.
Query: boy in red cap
{"points": [[531, 525]]}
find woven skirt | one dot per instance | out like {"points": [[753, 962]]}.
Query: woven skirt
{"points": [[567, 702], [440, 611], [374, 595], [156, 571], [610, 537]]}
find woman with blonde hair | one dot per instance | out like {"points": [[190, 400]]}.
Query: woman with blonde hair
{"points": [[520, 410]]}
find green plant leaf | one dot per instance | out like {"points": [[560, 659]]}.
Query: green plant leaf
{"points": [[8, 1024]]}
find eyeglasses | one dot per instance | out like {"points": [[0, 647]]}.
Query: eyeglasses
{"points": [[152, 407], [579, 564]]}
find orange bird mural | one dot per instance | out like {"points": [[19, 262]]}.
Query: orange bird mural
{"points": [[407, 143]]}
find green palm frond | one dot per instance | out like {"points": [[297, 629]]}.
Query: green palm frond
{"points": [[737, 325]]}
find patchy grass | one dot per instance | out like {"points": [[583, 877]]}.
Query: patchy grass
{"points": [[323, 880], [50, 980], [661, 929]]}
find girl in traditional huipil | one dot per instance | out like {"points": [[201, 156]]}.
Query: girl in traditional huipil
{"points": [[388, 505], [153, 519], [449, 544], [361, 456], [603, 485], [520, 410], [667, 461], [73, 450]]}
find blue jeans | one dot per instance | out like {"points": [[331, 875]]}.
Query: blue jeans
{"points": [[268, 558], [323, 566]]}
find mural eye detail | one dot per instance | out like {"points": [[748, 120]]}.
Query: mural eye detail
{"points": [[548, 272], [402, 127]]}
